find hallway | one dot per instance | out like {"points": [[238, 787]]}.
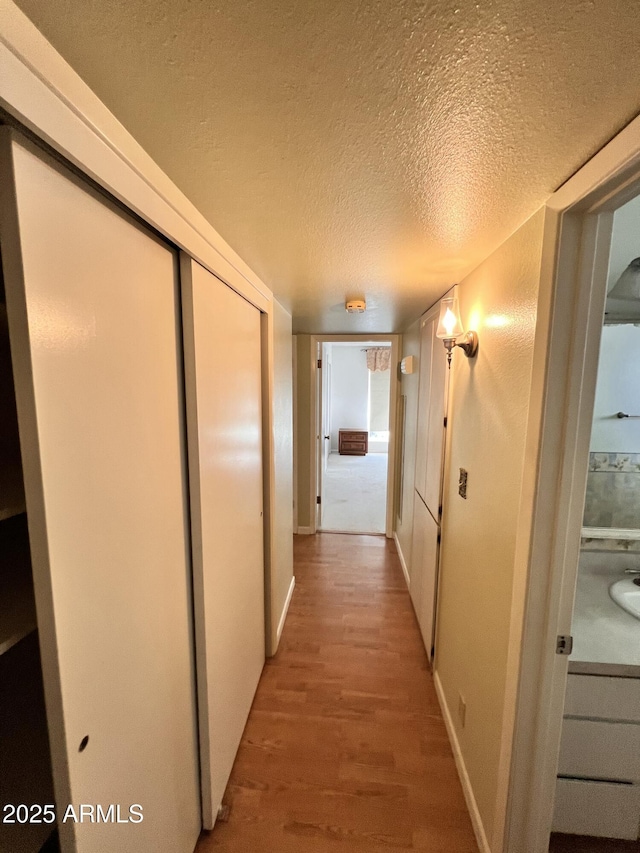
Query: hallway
{"points": [[345, 747]]}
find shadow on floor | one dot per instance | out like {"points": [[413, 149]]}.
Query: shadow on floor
{"points": [[583, 844]]}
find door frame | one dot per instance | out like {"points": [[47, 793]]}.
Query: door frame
{"points": [[574, 264], [323, 394], [315, 443]]}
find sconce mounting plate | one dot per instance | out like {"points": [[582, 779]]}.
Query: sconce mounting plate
{"points": [[468, 343]]}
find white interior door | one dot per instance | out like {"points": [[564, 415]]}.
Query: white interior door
{"points": [[93, 312], [224, 419]]}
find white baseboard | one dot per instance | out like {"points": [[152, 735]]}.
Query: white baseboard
{"points": [[349, 532], [305, 531], [405, 571], [285, 609], [474, 813]]}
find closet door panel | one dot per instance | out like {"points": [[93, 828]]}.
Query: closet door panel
{"points": [[424, 558], [427, 331], [431, 411], [93, 312], [224, 416], [417, 553], [426, 614], [435, 425]]}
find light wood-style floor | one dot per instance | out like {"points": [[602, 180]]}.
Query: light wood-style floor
{"points": [[345, 748]]}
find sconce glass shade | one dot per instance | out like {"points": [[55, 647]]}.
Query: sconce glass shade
{"points": [[449, 322], [450, 329]]}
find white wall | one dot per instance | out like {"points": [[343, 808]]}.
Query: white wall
{"points": [[349, 390], [618, 389], [409, 386], [625, 240], [488, 412], [379, 389], [282, 565], [305, 453]]}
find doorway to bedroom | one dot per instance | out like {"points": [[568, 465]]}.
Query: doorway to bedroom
{"points": [[354, 393]]}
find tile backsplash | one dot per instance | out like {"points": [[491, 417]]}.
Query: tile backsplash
{"points": [[613, 490]]}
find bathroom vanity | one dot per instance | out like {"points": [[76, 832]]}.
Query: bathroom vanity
{"points": [[598, 787]]}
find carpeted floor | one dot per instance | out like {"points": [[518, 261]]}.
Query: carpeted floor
{"points": [[355, 493]]}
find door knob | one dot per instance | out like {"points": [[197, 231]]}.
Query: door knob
{"points": [[327, 437]]}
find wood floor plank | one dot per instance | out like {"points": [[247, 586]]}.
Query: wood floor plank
{"points": [[345, 748]]}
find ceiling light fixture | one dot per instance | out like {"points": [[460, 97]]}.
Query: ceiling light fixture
{"points": [[355, 306], [450, 329]]}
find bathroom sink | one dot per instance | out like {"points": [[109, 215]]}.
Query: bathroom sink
{"points": [[626, 594]]}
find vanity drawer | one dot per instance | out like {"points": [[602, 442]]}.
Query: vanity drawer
{"points": [[603, 697], [602, 809], [596, 749]]}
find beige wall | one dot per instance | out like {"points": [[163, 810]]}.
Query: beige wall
{"points": [[282, 566], [409, 388], [487, 416], [302, 439]]}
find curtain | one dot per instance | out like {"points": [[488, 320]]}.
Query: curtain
{"points": [[379, 358]]}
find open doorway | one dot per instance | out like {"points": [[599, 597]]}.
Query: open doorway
{"points": [[575, 773], [597, 793], [354, 406]]}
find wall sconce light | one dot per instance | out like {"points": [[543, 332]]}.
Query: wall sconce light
{"points": [[450, 329]]}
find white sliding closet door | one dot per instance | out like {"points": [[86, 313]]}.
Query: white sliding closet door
{"points": [[437, 394], [432, 407], [93, 313], [224, 418], [427, 332]]}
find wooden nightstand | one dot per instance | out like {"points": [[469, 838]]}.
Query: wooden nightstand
{"points": [[353, 442]]}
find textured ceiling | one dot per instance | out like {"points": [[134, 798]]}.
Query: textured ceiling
{"points": [[377, 149]]}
